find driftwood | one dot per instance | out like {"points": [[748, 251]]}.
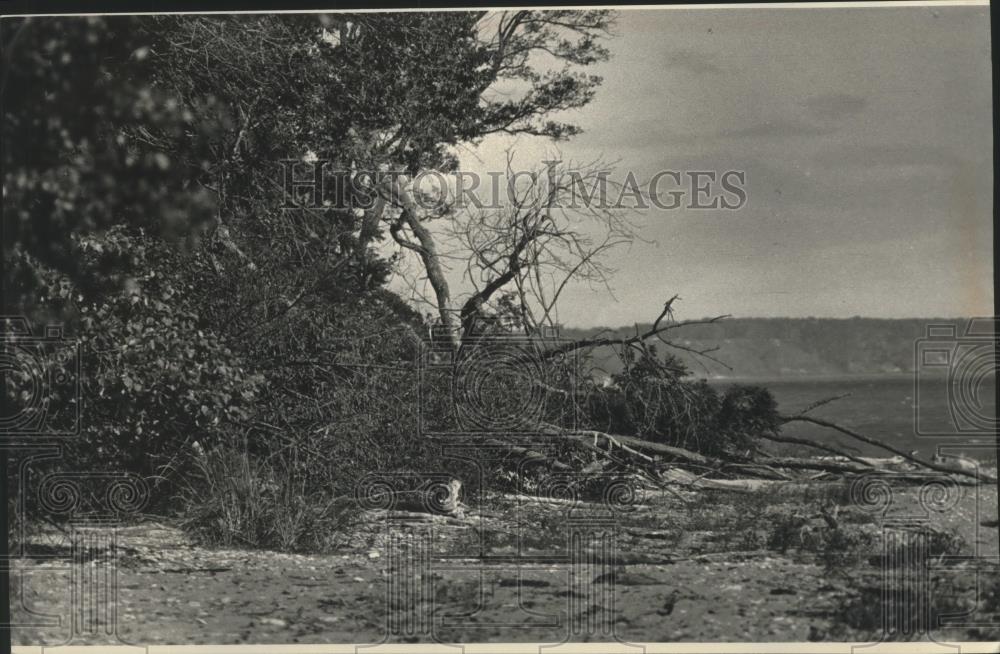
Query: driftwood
{"points": [[429, 501], [686, 478]]}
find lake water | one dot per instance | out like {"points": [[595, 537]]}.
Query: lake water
{"points": [[887, 407]]}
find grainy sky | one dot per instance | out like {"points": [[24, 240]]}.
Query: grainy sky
{"points": [[865, 134]]}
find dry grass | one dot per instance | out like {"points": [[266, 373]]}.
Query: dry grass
{"points": [[239, 501]]}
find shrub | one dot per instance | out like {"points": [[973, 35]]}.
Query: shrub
{"points": [[747, 412], [786, 532], [655, 398], [846, 546]]}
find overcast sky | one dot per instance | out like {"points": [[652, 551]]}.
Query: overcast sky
{"points": [[865, 134]]}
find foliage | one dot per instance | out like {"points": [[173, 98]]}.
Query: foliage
{"points": [[747, 412], [159, 378], [76, 91], [655, 398], [252, 345]]}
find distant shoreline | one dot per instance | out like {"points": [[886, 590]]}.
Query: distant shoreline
{"points": [[816, 377], [788, 348]]}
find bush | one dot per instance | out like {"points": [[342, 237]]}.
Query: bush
{"points": [[655, 398]]}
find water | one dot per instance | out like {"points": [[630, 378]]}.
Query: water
{"points": [[886, 407]]}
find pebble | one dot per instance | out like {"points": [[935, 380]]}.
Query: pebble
{"points": [[276, 622]]}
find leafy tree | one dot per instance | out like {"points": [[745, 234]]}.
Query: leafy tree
{"points": [[158, 377], [76, 92], [145, 206]]}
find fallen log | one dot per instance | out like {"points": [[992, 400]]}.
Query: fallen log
{"points": [[819, 464], [686, 478], [808, 443], [761, 470], [855, 465], [877, 443], [413, 518], [633, 445], [442, 500], [659, 534], [560, 501], [589, 439], [841, 468]]}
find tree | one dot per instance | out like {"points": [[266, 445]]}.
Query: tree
{"points": [[76, 91], [427, 82], [94, 212]]}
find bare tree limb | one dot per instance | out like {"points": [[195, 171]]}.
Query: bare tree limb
{"points": [[813, 444], [817, 404], [655, 330]]}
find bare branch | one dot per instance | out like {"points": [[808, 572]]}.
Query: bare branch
{"points": [[639, 338], [818, 403]]}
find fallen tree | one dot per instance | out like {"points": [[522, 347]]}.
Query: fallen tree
{"points": [[653, 456], [885, 446]]}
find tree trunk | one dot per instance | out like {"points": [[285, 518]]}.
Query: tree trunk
{"points": [[429, 255]]}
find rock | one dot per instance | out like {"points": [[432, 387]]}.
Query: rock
{"points": [[524, 583], [668, 605]]}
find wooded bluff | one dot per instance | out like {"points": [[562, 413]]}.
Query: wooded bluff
{"points": [[778, 347]]}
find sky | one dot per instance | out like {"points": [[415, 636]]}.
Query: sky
{"points": [[865, 136]]}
